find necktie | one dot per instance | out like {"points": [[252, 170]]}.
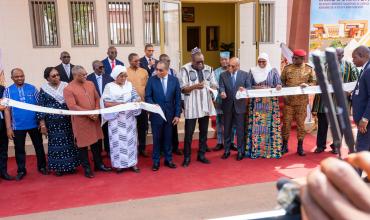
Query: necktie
{"points": [[164, 86], [99, 80], [113, 64], [68, 71], [233, 79]]}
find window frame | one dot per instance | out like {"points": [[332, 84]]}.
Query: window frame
{"points": [[71, 24], [132, 33], [273, 5], [33, 31], [159, 30]]}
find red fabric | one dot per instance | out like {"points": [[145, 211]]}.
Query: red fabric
{"points": [[38, 193], [113, 64], [300, 53]]}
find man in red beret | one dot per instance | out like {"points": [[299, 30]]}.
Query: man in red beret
{"points": [[296, 74]]}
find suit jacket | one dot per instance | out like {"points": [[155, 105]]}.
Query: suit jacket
{"points": [[243, 79], [144, 64], [108, 67], [2, 120], [170, 103], [361, 96], [105, 80], [63, 75]]}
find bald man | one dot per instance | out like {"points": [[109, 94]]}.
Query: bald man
{"points": [[111, 61], [65, 68]]}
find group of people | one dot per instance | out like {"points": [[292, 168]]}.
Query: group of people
{"points": [[255, 122]]}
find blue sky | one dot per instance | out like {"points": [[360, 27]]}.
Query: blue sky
{"points": [[331, 16]]}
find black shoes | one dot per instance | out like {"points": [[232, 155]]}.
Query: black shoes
{"points": [[103, 168], [135, 169], [225, 155], [208, 150], [186, 162], [319, 150], [58, 173], [6, 176], [20, 176], [89, 173], [240, 156], [300, 150], [203, 159], [170, 164], [44, 171], [119, 170], [155, 167], [218, 147], [334, 150], [233, 147]]}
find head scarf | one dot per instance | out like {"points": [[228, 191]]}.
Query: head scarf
{"points": [[260, 74], [118, 70], [225, 54]]}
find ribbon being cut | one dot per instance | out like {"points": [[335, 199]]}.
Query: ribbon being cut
{"points": [[254, 93]]}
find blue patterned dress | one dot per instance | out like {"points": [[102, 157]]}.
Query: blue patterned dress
{"points": [[62, 152], [264, 128]]}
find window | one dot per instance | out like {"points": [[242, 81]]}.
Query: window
{"points": [[83, 23], [119, 22], [151, 22], [193, 37], [44, 23], [267, 23]]}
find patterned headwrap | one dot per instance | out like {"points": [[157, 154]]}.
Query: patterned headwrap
{"points": [[195, 51]]}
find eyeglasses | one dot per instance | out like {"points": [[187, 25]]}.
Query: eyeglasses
{"points": [[262, 61], [65, 57], [159, 70], [199, 62], [54, 76], [232, 66], [100, 67]]}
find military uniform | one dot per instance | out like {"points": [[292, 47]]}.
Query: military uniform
{"points": [[296, 106]]}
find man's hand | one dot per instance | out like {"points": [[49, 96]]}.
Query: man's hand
{"points": [[223, 95], [94, 117], [200, 85], [2, 108], [242, 89], [303, 85], [362, 126], [10, 133], [151, 62], [336, 191], [278, 87], [175, 120]]}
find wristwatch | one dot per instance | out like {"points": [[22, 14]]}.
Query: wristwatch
{"points": [[364, 120]]}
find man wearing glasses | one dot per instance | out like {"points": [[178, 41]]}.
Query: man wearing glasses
{"points": [[139, 77], [195, 80], [111, 61], [100, 80], [65, 68], [296, 74]]}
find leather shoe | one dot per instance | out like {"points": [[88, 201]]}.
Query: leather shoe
{"points": [[6, 176], [103, 168], [208, 150], [225, 155], [89, 173], [202, 159], [334, 150], [319, 150], [178, 152], [135, 169], [186, 162], [20, 176], [170, 164], [233, 147], [58, 173], [155, 167], [218, 147], [239, 157], [119, 170], [44, 171], [143, 153]]}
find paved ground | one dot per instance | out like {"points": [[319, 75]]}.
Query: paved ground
{"points": [[196, 205]]}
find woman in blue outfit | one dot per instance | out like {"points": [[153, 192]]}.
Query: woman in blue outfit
{"points": [[62, 152]]}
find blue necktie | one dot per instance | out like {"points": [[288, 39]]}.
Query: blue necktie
{"points": [[164, 86], [233, 80]]}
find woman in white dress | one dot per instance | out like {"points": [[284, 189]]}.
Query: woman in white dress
{"points": [[122, 125]]}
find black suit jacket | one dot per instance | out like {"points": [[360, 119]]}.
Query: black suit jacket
{"points": [[243, 79], [63, 75], [2, 121], [361, 96], [105, 80], [144, 64]]}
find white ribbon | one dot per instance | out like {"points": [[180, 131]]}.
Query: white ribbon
{"points": [[118, 108], [272, 92]]}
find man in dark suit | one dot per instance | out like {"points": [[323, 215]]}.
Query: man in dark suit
{"points": [[163, 90], [100, 79], [65, 68], [111, 61], [4, 141], [234, 110], [148, 62], [361, 98]]}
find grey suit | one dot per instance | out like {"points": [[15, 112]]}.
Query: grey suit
{"points": [[234, 110]]}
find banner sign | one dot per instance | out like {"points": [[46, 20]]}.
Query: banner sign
{"points": [[339, 23]]}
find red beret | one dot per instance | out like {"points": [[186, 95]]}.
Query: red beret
{"points": [[299, 53]]}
